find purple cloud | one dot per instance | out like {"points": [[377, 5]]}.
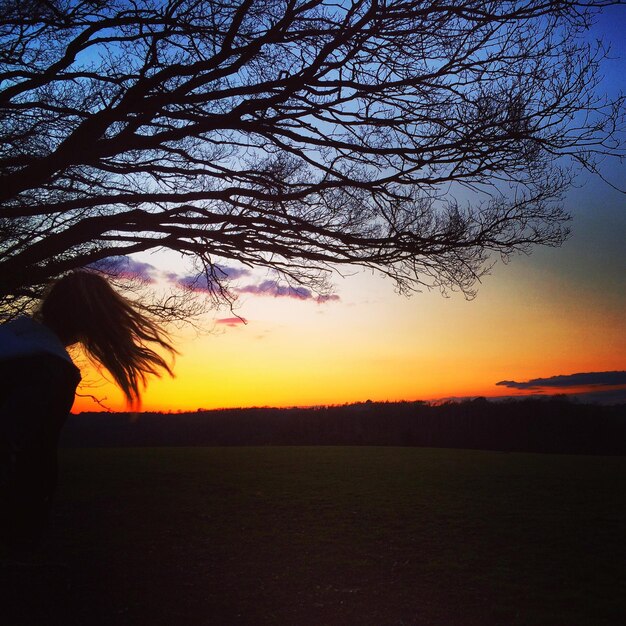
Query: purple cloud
{"points": [[125, 267], [232, 273], [199, 282], [596, 379], [272, 288], [333, 297], [231, 321], [195, 283]]}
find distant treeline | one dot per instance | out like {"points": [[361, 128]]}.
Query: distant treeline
{"points": [[549, 425]]}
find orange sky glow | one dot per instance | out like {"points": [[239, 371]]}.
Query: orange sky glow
{"points": [[529, 320], [556, 312]]}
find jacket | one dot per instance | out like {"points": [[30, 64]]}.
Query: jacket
{"points": [[37, 386]]}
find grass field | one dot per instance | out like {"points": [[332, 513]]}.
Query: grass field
{"points": [[328, 536]]}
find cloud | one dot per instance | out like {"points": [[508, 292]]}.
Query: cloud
{"points": [[231, 321], [199, 282], [272, 288], [125, 267], [596, 379], [232, 273], [333, 297]]}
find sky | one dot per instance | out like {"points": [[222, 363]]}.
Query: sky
{"points": [[551, 322]]}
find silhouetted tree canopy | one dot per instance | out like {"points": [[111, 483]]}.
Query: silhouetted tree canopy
{"points": [[412, 137]]}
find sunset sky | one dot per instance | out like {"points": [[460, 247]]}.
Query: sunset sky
{"points": [[558, 312]]}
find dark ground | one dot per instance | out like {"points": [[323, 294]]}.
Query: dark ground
{"points": [[327, 536]]}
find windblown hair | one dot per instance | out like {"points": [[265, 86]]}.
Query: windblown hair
{"points": [[83, 307]]}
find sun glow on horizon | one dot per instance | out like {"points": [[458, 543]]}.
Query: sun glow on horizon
{"points": [[372, 344], [556, 312]]}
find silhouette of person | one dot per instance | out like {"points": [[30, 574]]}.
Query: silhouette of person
{"points": [[38, 382]]}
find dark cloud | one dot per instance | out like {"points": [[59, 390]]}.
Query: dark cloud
{"points": [[272, 288], [603, 379], [125, 267], [231, 321]]}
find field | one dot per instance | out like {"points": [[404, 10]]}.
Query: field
{"points": [[328, 536]]}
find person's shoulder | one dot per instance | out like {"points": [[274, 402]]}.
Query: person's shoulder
{"points": [[25, 336]]}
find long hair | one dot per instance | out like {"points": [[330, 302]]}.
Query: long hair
{"points": [[83, 307]]}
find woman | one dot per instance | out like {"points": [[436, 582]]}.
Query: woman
{"points": [[38, 381]]}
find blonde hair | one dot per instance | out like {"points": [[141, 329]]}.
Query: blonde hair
{"points": [[83, 307]]}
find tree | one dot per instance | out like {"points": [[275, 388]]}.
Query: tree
{"points": [[412, 137]]}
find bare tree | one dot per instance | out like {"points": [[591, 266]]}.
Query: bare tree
{"points": [[414, 137]]}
